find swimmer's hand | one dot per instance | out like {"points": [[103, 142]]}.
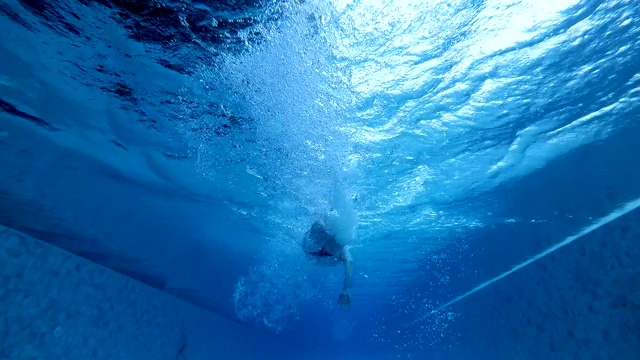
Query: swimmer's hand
{"points": [[345, 299]]}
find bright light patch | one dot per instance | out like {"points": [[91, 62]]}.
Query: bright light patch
{"points": [[383, 38]]}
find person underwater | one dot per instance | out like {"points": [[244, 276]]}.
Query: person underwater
{"points": [[323, 246]]}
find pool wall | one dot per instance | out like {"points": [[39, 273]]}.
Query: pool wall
{"points": [[58, 305]]}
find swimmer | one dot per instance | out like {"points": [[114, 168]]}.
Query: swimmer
{"points": [[323, 246]]}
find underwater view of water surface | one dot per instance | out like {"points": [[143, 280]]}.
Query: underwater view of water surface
{"points": [[352, 179]]}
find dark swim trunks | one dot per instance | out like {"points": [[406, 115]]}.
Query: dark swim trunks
{"points": [[321, 253]]}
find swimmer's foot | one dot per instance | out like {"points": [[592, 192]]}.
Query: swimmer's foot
{"points": [[345, 299]]}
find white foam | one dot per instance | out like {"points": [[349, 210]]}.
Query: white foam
{"points": [[343, 220], [628, 207]]}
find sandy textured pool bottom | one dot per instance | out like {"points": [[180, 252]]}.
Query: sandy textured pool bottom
{"points": [[57, 305]]}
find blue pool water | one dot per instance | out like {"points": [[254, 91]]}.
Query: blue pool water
{"points": [[481, 157]]}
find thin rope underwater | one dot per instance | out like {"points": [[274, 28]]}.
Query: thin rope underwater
{"points": [[628, 207]]}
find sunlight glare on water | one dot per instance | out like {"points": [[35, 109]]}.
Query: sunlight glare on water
{"points": [[433, 79]]}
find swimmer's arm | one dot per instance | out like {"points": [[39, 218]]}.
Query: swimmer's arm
{"points": [[348, 268]]}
